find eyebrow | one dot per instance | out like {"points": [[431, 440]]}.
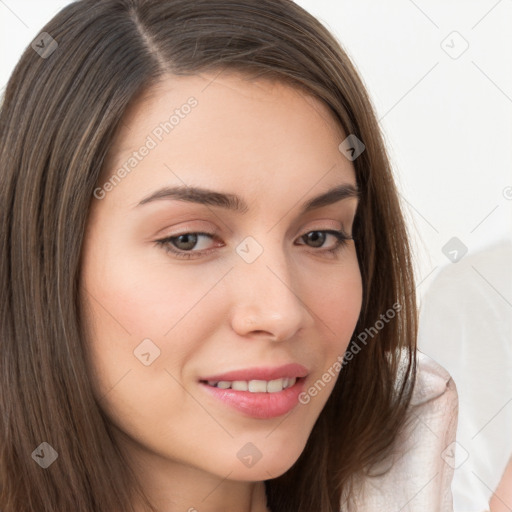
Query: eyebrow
{"points": [[237, 204]]}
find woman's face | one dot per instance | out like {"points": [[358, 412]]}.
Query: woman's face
{"points": [[259, 294]]}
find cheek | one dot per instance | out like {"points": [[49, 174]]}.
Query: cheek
{"points": [[146, 319], [341, 303], [141, 332], [336, 301], [335, 295], [137, 293]]}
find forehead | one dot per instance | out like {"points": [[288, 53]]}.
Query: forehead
{"points": [[229, 130], [225, 86]]}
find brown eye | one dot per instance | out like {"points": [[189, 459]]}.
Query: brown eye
{"points": [[185, 242], [316, 237], [183, 245]]}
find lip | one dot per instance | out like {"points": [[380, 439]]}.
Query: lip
{"points": [[262, 373], [258, 405]]}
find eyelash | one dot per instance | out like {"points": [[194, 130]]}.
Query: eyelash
{"points": [[341, 241]]}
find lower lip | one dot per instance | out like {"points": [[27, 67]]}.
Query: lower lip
{"points": [[259, 405]]}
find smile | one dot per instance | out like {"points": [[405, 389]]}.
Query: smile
{"points": [[261, 400], [255, 386]]}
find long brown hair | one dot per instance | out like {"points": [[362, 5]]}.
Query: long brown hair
{"points": [[59, 115]]}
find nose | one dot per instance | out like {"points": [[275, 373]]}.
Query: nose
{"points": [[267, 298]]}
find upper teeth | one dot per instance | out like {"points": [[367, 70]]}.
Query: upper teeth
{"points": [[255, 386]]}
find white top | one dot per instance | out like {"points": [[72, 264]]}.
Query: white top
{"points": [[422, 465], [466, 326]]}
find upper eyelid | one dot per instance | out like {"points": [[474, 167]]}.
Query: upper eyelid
{"points": [[215, 231]]}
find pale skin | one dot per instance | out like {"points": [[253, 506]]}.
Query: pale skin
{"points": [[501, 500], [276, 148]]}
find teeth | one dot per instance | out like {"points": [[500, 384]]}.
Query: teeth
{"points": [[255, 386], [239, 385], [274, 386]]}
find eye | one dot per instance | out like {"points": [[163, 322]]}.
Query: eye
{"points": [[318, 238], [182, 245]]}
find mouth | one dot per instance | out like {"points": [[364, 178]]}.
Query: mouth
{"points": [[259, 374], [261, 393], [254, 386]]}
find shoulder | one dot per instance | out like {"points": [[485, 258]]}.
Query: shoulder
{"points": [[427, 438], [434, 386], [433, 414], [417, 475]]}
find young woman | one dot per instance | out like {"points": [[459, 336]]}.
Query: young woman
{"points": [[207, 293]]}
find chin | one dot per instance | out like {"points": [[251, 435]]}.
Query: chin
{"points": [[271, 466]]}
